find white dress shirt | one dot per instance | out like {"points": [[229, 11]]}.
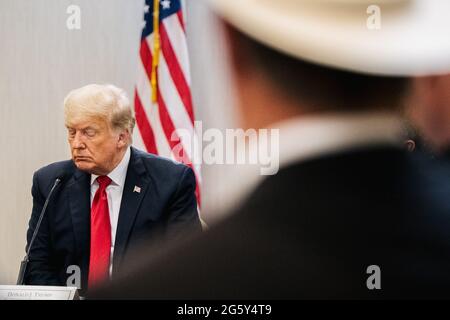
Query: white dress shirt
{"points": [[114, 193], [315, 136], [309, 137]]}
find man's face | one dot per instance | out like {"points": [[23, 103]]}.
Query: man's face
{"points": [[95, 147], [430, 109]]}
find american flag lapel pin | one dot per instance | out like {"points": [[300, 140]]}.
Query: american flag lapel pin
{"points": [[137, 189]]}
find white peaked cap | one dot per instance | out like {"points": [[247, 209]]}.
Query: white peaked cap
{"points": [[390, 37]]}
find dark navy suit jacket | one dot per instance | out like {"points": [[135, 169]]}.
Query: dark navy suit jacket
{"points": [[311, 231], [164, 209]]}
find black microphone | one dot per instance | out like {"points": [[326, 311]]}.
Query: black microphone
{"points": [[24, 263]]}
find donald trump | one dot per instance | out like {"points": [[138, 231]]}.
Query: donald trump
{"points": [[111, 196]]}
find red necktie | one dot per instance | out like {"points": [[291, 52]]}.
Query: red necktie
{"points": [[100, 235]]}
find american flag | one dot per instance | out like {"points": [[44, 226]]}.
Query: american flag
{"points": [[162, 101]]}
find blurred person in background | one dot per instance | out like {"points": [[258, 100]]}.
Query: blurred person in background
{"points": [[429, 111], [414, 139]]}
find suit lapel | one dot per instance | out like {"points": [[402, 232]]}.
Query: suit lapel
{"points": [[80, 209], [136, 185]]}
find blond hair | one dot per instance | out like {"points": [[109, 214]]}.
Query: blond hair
{"points": [[104, 102]]}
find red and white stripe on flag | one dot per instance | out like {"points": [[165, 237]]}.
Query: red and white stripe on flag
{"points": [[158, 121]]}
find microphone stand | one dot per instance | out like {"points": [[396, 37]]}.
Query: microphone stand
{"points": [[24, 263]]}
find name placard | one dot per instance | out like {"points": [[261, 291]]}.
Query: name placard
{"points": [[37, 293]]}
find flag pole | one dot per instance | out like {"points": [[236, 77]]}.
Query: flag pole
{"points": [[184, 10], [156, 50]]}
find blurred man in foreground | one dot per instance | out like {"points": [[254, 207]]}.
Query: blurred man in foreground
{"points": [[349, 214]]}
